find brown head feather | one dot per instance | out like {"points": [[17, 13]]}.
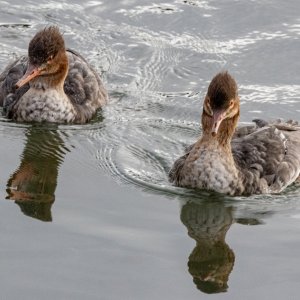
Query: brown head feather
{"points": [[45, 45], [221, 90], [222, 95]]}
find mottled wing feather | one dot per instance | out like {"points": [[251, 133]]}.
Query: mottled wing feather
{"points": [[290, 125], [241, 131], [84, 87], [272, 152], [174, 173], [9, 95]]}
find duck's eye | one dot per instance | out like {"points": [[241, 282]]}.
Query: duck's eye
{"points": [[230, 111]]}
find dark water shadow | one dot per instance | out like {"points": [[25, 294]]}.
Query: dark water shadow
{"points": [[33, 184], [212, 260]]}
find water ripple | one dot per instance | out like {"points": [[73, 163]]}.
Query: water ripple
{"points": [[271, 94], [161, 8], [157, 78]]}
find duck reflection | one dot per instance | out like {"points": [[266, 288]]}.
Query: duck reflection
{"points": [[33, 184], [212, 260]]}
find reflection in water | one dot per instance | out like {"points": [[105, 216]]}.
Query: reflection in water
{"points": [[211, 261], [33, 184]]}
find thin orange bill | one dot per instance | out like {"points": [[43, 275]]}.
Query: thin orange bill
{"points": [[218, 117], [31, 73]]}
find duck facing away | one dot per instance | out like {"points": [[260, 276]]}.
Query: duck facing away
{"points": [[51, 84], [263, 158]]}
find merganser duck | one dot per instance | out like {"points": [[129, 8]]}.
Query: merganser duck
{"points": [[263, 158], [51, 84]]}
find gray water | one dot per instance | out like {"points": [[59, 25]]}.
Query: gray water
{"points": [[96, 217]]}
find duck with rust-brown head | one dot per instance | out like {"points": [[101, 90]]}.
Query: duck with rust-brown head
{"points": [[51, 84], [263, 158]]}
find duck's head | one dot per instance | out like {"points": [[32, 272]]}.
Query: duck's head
{"points": [[221, 104], [46, 57]]}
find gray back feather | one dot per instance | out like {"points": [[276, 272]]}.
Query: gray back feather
{"points": [[271, 151]]}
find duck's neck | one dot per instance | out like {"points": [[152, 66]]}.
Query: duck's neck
{"points": [[54, 80], [225, 132]]}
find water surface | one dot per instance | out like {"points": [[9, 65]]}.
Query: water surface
{"points": [[87, 210]]}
